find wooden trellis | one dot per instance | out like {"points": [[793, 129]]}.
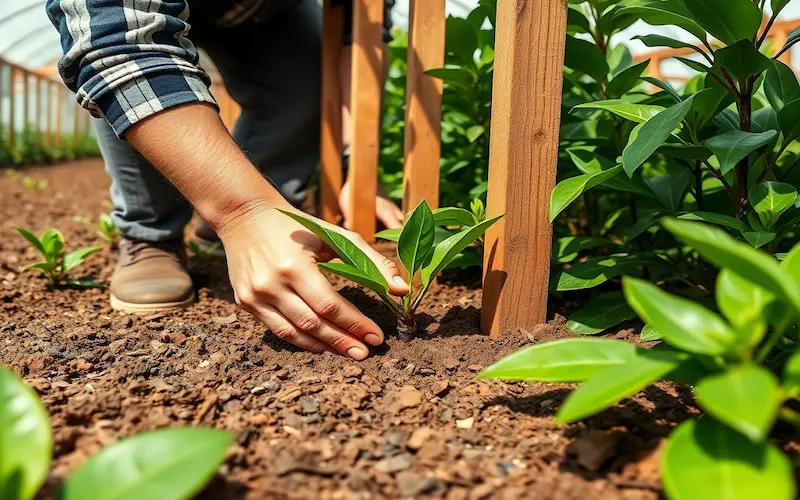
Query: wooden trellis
{"points": [[524, 143]]}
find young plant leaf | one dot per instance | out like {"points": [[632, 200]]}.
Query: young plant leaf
{"points": [[601, 313], [717, 219], [770, 200], [731, 147], [439, 234], [565, 360], [649, 334], [653, 134], [344, 248], [568, 248], [742, 60], [585, 57], [663, 41], [791, 372], [789, 121], [53, 243], [670, 186], [682, 323], [619, 382], [570, 189], [726, 20], [26, 444], [637, 113], [722, 250], [32, 239], [415, 245], [746, 398], [744, 304], [626, 80], [706, 459], [451, 247], [76, 258], [597, 270], [354, 274], [453, 216], [665, 13], [168, 464], [781, 85]]}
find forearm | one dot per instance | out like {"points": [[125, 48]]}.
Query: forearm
{"points": [[192, 148]]}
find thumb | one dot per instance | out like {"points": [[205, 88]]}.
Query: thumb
{"points": [[390, 271]]}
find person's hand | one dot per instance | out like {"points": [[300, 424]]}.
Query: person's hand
{"points": [[386, 211], [272, 266]]}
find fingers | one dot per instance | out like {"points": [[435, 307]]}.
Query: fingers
{"points": [[283, 328], [390, 271], [329, 305]]}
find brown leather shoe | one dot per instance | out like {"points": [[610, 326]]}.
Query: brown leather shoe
{"points": [[151, 276]]}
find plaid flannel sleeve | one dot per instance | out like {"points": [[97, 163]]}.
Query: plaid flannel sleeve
{"points": [[128, 60]]}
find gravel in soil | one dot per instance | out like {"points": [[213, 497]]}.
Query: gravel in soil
{"points": [[409, 422]]}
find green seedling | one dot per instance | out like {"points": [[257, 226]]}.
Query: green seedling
{"points": [[167, 464], [57, 264], [421, 255], [12, 174], [202, 252], [34, 184], [104, 228]]}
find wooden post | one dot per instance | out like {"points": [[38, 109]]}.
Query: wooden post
{"points": [[526, 108], [59, 110], [423, 104], [367, 75], [331, 132], [11, 107], [25, 103]]}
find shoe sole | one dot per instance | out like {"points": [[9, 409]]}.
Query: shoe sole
{"points": [[132, 307]]}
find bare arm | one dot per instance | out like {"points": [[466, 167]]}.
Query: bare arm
{"points": [[271, 258]]}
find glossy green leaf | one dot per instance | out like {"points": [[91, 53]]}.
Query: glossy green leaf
{"points": [[715, 218], [653, 134], [32, 239], [726, 20], [743, 304], [666, 87], [663, 41], [600, 313], [25, 442], [585, 57], [597, 270], [353, 274], [577, 22], [778, 5], [415, 245], [565, 360], [570, 189], [568, 248], [619, 382], [638, 113], [789, 120], [666, 13], [461, 38], [791, 263], [708, 460], [76, 258], [745, 397], [590, 162], [453, 75], [682, 323], [758, 239], [452, 246], [770, 200], [53, 242], [452, 216], [781, 85], [670, 186], [742, 60], [722, 250], [439, 234], [344, 248], [626, 80], [791, 372], [168, 464], [649, 334], [731, 147]]}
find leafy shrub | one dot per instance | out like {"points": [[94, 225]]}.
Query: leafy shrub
{"points": [[57, 264], [732, 359], [418, 249], [169, 464], [722, 149]]}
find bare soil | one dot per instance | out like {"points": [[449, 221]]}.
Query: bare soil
{"points": [[409, 422]]}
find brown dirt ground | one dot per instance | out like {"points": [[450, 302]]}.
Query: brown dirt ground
{"points": [[409, 422]]}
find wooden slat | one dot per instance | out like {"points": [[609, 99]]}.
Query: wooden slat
{"points": [[59, 110], [423, 104], [11, 108], [25, 102], [331, 132], [367, 72], [526, 110]]}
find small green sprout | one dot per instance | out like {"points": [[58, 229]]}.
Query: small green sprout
{"points": [[12, 174], [56, 264], [417, 248], [202, 252], [104, 228], [34, 184]]}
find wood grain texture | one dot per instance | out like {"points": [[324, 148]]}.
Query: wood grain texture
{"points": [[331, 139], [423, 104], [526, 110], [367, 75]]}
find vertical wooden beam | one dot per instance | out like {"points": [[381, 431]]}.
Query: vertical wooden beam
{"points": [[12, 87], [423, 104], [25, 103], [367, 75], [59, 110], [331, 131], [526, 108]]}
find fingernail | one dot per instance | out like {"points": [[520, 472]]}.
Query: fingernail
{"points": [[400, 281], [356, 353], [373, 339]]}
